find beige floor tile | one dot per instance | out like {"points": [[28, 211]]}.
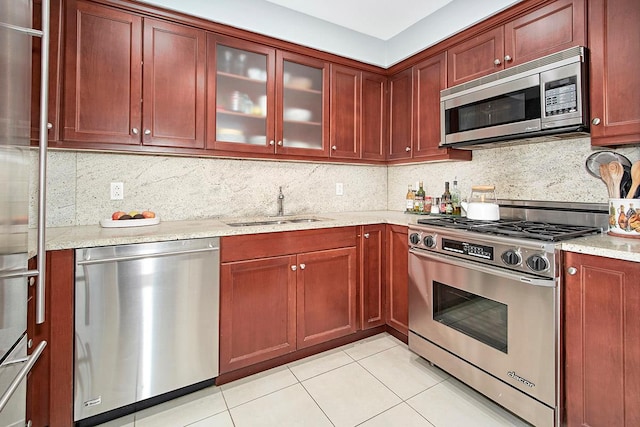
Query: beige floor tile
{"points": [[289, 407], [403, 371], [453, 404], [246, 389], [319, 364], [400, 415], [223, 419], [370, 346], [350, 395], [126, 421], [183, 410]]}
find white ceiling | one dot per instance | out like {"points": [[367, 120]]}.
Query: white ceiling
{"points": [[382, 19]]}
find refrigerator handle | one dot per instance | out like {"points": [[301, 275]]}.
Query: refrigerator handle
{"points": [[31, 360], [42, 163]]}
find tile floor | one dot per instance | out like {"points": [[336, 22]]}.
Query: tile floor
{"points": [[376, 382]]}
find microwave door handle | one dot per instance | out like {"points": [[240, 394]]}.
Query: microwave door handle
{"points": [[547, 283]]}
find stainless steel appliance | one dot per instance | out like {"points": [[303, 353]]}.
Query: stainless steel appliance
{"points": [[146, 324], [15, 129], [543, 97], [484, 300]]}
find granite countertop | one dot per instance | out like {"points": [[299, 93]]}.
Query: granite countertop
{"points": [[94, 235]]}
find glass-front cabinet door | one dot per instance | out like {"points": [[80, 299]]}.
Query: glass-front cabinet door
{"points": [[241, 93], [302, 105]]}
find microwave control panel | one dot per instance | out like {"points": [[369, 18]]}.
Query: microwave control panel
{"points": [[561, 96]]}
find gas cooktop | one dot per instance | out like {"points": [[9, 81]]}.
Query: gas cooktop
{"points": [[517, 228]]}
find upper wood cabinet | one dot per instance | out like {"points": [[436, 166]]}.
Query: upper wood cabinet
{"points": [[614, 69], [550, 28], [358, 107], [104, 101], [601, 341], [400, 115]]}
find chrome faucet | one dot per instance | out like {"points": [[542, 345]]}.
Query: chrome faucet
{"points": [[280, 203]]}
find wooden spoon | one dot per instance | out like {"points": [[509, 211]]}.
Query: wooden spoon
{"points": [[615, 173], [605, 176], [635, 179]]}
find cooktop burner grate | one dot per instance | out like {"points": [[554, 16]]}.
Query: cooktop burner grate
{"points": [[516, 228]]}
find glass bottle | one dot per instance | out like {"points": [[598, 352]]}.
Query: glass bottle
{"points": [[410, 199], [420, 197], [445, 199], [455, 198]]}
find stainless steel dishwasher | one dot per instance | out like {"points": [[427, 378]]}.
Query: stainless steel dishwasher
{"points": [[146, 324]]}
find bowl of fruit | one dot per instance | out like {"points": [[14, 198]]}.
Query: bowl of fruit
{"points": [[133, 218]]}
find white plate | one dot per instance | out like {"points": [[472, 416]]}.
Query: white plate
{"points": [[111, 223]]}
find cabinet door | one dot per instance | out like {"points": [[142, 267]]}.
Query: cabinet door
{"points": [[326, 295], [615, 65], [400, 119], [345, 108], [430, 77], [372, 286], [103, 75], [240, 95], [476, 57], [173, 102], [302, 105], [373, 123], [602, 341], [398, 278], [552, 28], [257, 311]]}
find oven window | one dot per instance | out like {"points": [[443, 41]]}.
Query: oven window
{"points": [[473, 315], [512, 107]]}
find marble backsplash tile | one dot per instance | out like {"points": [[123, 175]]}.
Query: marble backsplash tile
{"points": [[179, 188]]}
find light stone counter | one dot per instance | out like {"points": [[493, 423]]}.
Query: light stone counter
{"points": [[94, 235]]}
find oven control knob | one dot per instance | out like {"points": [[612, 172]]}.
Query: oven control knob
{"points": [[429, 242], [414, 238], [537, 263], [511, 257]]}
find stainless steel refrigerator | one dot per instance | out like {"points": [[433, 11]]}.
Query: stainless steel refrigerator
{"points": [[18, 354]]}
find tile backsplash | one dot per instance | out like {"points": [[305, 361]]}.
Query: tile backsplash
{"points": [[179, 188]]}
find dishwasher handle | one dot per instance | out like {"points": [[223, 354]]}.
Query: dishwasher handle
{"points": [[145, 256]]}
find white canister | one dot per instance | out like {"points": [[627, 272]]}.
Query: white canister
{"points": [[624, 217]]}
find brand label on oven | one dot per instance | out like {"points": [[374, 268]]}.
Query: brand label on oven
{"points": [[516, 377], [478, 251]]}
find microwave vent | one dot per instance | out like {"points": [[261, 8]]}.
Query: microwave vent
{"points": [[538, 65]]}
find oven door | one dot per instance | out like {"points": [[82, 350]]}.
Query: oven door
{"points": [[501, 322]]}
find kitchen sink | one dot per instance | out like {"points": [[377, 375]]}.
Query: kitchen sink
{"points": [[272, 222]]}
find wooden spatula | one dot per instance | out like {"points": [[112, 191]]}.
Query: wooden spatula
{"points": [[635, 179], [615, 173]]}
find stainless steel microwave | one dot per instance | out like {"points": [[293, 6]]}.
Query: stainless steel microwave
{"points": [[544, 97]]}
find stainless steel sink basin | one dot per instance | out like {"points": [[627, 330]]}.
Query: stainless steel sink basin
{"points": [[272, 222]]}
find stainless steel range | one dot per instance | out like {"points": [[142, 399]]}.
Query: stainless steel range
{"points": [[484, 300]]}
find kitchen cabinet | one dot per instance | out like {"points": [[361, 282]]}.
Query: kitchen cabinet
{"points": [[111, 98], [614, 68], [358, 106], [601, 341], [281, 292], [398, 278], [372, 275], [552, 27], [415, 113], [265, 100]]}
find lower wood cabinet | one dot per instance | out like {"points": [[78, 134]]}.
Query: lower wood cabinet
{"points": [[280, 292], [602, 341], [372, 275], [398, 278]]}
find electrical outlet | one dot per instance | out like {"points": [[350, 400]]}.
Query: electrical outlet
{"points": [[117, 190], [339, 189]]}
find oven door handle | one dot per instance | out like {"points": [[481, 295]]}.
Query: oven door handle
{"points": [[529, 280]]}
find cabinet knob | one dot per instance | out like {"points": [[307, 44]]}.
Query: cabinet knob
{"points": [[366, 235], [595, 121], [272, 142], [407, 149], [303, 266], [147, 131], [294, 267], [507, 58], [572, 271], [280, 143], [334, 148], [49, 125], [497, 61], [134, 131]]}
